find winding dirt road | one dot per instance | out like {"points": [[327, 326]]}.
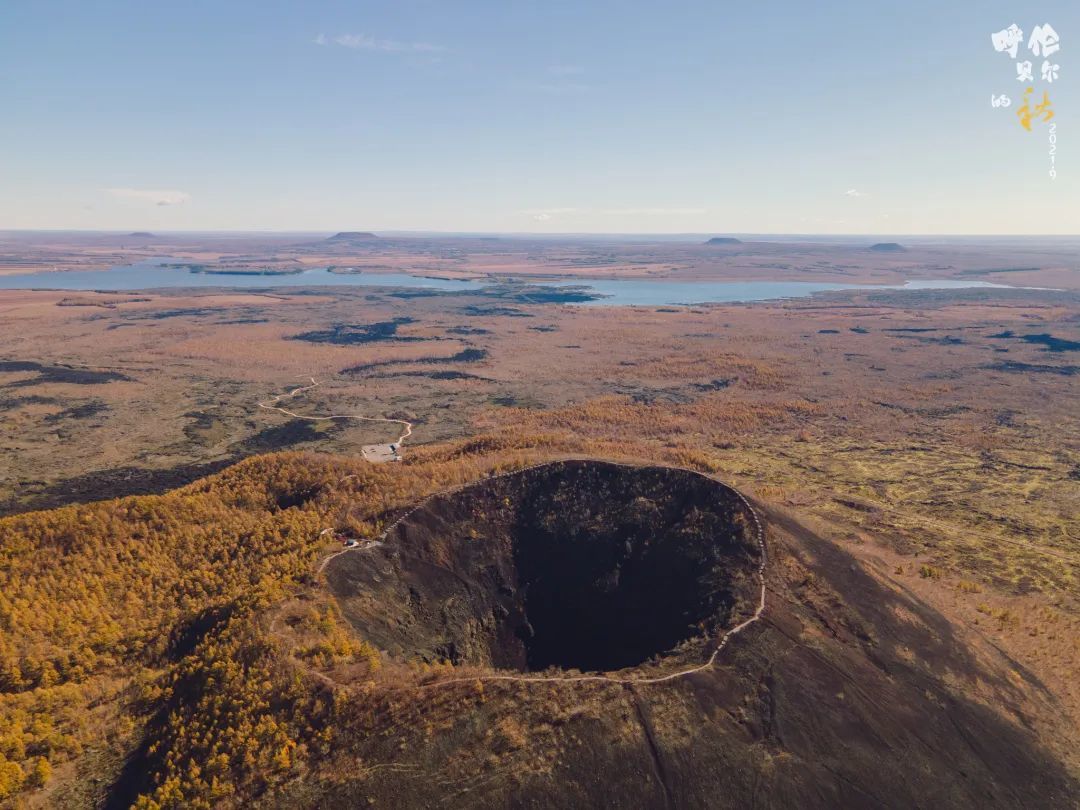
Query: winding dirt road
{"points": [[271, 405]]}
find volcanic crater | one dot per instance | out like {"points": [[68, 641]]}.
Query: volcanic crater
{"points": [[573, 565]]}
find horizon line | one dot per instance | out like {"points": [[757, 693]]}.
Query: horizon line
{"points": [[639, 234]]}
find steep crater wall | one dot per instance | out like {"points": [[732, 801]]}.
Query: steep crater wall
{"points": [[583, 565]]}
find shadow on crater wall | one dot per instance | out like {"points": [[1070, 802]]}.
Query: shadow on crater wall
{"points": [[577, 565]]}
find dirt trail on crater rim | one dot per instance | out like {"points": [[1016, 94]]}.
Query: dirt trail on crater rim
{"points": [[850, 691], [624, 560]]}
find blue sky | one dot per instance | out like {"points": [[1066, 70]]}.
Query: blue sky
{"points": [[635, 117]]}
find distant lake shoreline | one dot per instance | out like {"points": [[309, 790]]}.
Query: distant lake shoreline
{"points": [[598, 292]]}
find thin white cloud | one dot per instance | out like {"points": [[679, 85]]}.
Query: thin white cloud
{"points": [[549, 212], [555, 88], [653, 212], [150, 195], [545, 214], [560, 80], [366, 42], [851, 192]]}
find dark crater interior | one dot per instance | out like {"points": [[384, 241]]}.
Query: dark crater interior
{"points": [[580, 565]]}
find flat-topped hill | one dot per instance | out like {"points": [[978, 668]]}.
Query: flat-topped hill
{"points": [[352, 236]]}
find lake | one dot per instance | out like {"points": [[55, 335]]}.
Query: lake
{"points": [[610, 292]]}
